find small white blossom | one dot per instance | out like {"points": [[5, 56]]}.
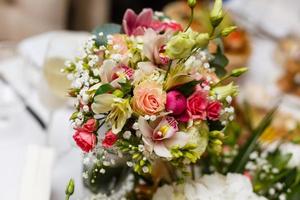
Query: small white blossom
{"points": [[127, 135]]}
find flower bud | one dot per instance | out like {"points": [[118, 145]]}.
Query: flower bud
{"points": [[202, 40], [118, 93], [180, 45], [238, 72], [223, 91], [192, 3], [226, 31], [70, 188], [216, 15]]}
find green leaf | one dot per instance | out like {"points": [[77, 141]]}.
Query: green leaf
{"points": [[219, 62], [126, 87], [106, 29], [242, 158], [105, 88], [295, 193], [188, 88], [280, 161]]}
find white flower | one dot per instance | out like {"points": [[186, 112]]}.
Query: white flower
{"points": [[210, 187], [294, 149]]}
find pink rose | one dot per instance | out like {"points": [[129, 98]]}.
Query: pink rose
{"points": [[148, 98], [109, 140], [89, 126], [85, 140], [197, 104], [176, 102], [213, 110]]}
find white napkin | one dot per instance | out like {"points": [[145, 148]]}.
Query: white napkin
{"points": [[36, 176]]}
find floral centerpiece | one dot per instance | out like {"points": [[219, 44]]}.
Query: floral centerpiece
{"points": [[150, 94]]}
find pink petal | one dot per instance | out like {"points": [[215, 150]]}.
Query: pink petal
{"points": [[138, 31], [144, 127], [179, 139], [145, 17], [129, 21], [161, 150]]}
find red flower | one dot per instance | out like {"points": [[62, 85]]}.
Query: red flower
{"points": [[89, 126], [85, 140], [159, 26], [213, 110], [109, 140], [197, 104]]}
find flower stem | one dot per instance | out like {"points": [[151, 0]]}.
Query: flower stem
{"points": [[168, 70], [68, 197], [191, 20]]}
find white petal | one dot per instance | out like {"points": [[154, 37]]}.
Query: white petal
{"points": [[144, 127], [179, 138], [102, 103], [161, 150]]}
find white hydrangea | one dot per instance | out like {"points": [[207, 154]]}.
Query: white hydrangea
{"points": [[210, 187]]}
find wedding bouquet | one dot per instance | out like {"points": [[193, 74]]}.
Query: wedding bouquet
{"points": [[150, 94]]}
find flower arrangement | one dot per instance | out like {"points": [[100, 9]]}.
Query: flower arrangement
{"points": [[152, 97], [156, 89]]}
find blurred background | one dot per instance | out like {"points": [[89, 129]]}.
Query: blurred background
{"points": [[37, 153]]}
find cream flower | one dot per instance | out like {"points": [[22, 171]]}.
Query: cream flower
{"points": [[120, 112], [211, 187], [148, 98]]}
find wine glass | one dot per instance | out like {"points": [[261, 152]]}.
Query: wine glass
{"points": [[54, 85]]}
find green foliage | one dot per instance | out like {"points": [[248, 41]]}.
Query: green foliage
{"points": [[140, 162], [241, 159], [219, 62], [105, 88], [188, 88], [126, 87]]}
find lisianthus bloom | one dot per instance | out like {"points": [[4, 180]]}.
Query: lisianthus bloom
{"points": [[197, 104], [213, 110], [134, 24], [180, 45], [114, 73], [160, 138], [176, 102], [149, 98], [85, 139], [109, 140]]}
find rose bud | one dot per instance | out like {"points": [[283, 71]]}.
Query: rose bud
{"points": [[89, 126], [109, 140], [213, 110], [85, 140], [176, 102]]}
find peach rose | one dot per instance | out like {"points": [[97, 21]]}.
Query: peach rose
{"points": [[148, 98]]}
